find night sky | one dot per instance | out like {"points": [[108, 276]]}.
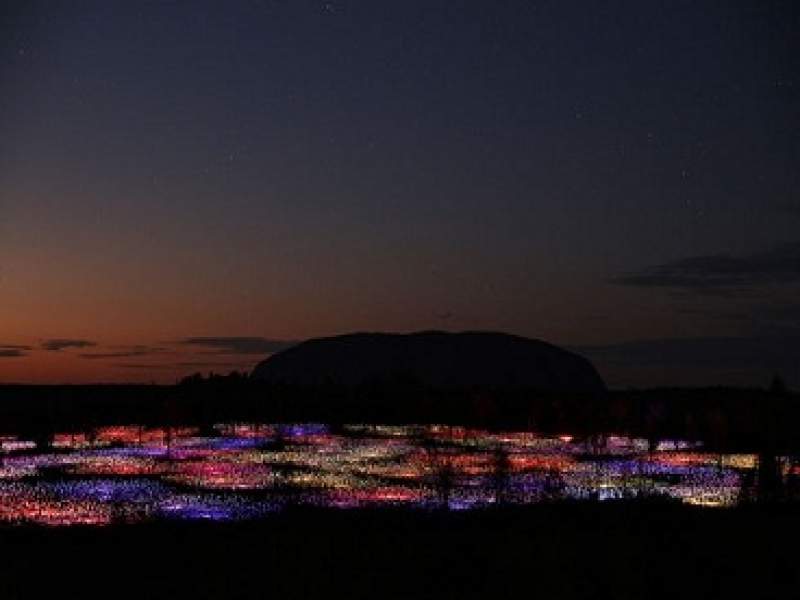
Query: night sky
{"points": [[189, 186]]}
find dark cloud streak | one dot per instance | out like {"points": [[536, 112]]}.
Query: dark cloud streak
{"points": [[779, 353], [55, 345], [144, 366], [126, 353], [238, 345], [182, 365], [721, 273]]}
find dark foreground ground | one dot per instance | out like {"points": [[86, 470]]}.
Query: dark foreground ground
{"points": [[562, 551]]}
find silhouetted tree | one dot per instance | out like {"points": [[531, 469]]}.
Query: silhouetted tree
{"points": [[777, 386], [553, 484], [444, 480], [500, 474], [770, 478], [440, 469]]}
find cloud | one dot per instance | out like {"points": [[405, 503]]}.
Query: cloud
{"points": [[56, 345], [721, 273], [182, 365], [238, 345], [778, 353], [722, 314], [125, 352], [790, 206], [782, 317], [143, 366], [769, 320], [13, 351]]}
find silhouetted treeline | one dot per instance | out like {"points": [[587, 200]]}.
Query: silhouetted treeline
{"points": [[724, 418]]}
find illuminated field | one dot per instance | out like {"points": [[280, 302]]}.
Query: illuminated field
{"points": [[130, 474]]}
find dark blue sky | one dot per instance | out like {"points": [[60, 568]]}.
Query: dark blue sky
{"points": [[588, 173]]}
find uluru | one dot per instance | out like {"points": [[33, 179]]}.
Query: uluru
{"points": [[432, 358]]}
